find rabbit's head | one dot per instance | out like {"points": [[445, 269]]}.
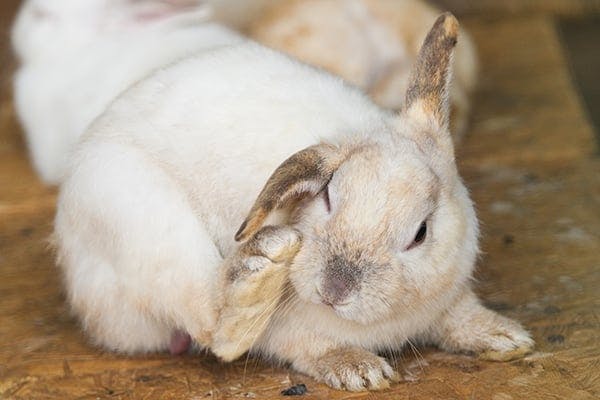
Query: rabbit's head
{"points": [[47, 25], [388, 227]]}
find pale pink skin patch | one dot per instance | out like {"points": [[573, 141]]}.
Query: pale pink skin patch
{"points": [[164, 9], [180, 343]]}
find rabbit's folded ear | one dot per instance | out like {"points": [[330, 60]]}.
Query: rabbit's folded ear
{"points": [[427, 96], [306, 172]]}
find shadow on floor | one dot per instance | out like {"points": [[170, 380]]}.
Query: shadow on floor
{"points": [[580, 38]]}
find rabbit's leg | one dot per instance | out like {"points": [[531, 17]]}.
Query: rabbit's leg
{"points": [[139, 264], [470, 327], [254, 281], [321, 356], [349, 368]]}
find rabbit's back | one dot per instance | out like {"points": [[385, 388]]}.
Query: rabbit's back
{"points": [[60, 90], [223, 120]]}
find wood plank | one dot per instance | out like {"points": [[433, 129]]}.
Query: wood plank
{"points": [[528, 162]]}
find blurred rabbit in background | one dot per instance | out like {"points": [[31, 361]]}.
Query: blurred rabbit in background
{"points": [[77, 56], [371, 43]]}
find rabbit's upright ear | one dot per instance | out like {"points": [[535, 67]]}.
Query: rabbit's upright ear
{"points": [[306, 172], [427, 96]]}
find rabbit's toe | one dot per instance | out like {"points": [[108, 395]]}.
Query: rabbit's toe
{"points": [[256, 263], [472, 328], [508, 342], [355, 370], [278, 243]]}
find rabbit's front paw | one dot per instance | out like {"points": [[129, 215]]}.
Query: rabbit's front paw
{"points": [[505, 340], [262, 257], [472, 328], [355, 370], [256, 278]]}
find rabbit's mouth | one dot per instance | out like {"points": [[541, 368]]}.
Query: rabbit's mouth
{"points": [[328, 301], [344, 308], [345, 311], [334, 302], [354, 312]]}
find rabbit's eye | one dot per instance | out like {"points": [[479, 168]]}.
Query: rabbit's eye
{"points": [[420, 236], [326, 198]]}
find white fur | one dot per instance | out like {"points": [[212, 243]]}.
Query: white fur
{"points": [[371, 43], [160, 182], [163, 179], [76, 56]]}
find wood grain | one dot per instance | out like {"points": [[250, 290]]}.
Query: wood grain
{"points": [[528, 161]]}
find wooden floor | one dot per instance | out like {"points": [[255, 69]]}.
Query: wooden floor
{"points": [[530, 163]]}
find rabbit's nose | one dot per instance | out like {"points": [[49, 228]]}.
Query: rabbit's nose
{"points": [[340, 279], [335, 290]]}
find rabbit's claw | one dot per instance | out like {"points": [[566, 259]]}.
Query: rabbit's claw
{"points": [[355, 370], [271, 246]]}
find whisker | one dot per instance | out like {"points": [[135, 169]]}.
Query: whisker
{"points": [[282, 307], [417, 354], [273, 304]]}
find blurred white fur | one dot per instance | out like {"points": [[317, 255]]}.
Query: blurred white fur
{"points": [[76, 56]]}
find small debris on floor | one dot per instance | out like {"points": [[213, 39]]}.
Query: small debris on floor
{"points": [[551, 310], [556, 339], [296, 390]]}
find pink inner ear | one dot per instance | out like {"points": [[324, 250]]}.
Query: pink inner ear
{"points": [[157, 9], [39, 13]]}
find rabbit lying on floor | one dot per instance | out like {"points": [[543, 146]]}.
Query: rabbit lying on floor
{"points": [[362, 237]]}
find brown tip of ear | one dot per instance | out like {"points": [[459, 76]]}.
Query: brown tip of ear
{"points": [[449, 24], [428, 86], [443, 34], [250, 225]]}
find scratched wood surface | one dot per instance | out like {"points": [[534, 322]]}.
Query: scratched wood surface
{"points": [[531, 164]]}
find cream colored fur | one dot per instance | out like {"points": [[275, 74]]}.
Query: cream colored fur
{"points": [[371, 43], [160, 182], [76, 56]]}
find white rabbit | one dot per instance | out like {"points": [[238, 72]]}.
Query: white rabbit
{"points": [[76, 56], [371, 43], [377, 237]]}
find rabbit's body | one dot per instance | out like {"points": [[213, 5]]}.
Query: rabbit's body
{"points": [[160, 182], [76, 57], [211, 158]]}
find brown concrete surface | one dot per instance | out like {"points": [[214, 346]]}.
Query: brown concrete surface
{"points": [[529, 162]]}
